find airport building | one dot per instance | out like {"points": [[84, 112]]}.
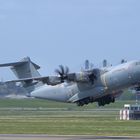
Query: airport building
{"points": [[130, 112]]}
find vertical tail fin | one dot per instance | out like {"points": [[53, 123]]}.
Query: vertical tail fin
{"points": [[25, 69]]}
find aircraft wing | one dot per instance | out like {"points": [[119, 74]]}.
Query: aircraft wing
{"points": [[50, 80], [81, 77], [53, 80], [62, 75]]}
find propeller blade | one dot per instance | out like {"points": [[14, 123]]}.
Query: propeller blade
{"points": [[62, 72], [57, 72]]}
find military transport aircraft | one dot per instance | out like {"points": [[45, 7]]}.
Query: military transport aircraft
{"points": [[90, 85]]}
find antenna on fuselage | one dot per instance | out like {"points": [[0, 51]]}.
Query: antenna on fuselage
{"points": [[87, 65], [104, 63]]}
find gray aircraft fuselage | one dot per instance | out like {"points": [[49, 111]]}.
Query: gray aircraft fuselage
{"points": [[111, 82]]}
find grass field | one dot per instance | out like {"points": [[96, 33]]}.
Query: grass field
{"points": [[45, 117]]}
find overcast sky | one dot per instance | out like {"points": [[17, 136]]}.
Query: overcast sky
{"points": [[54, 32]]}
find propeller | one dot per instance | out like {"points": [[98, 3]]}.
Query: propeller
{"points": [[93, 76], [62, 72], [85, 76]]}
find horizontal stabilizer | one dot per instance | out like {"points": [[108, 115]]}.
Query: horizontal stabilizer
{"points": [[12, 64], [22, 62]]}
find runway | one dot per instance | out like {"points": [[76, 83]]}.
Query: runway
{"points": [[47, 137]]}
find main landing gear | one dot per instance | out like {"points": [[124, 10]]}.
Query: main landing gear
{"points": [[101, 101]]}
